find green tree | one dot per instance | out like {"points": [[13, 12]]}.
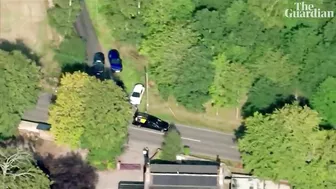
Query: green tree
{"points": [[275, 67], [172, 145], [19, 170], [324, 100], [289, 137], [264, 95], [82, 117], [66, 115], [106, 122], [231, 83], [19, 80], [166, 51], [158, 13], [62, 16], [126, 18]]}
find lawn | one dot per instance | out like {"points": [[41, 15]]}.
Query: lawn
{"points": [[133, 73]]}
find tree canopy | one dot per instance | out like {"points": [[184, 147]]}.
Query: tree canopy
{"points": [[19, 170], [82, 117], [288, 144], [172, 145], [19, 80], [324, 100], [182, 38]]}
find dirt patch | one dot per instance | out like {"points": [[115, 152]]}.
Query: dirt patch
{"points": [[25, 20]]}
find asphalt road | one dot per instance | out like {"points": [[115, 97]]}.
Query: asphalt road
{"points": [[201, 141]]}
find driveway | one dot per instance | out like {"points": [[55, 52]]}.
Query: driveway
{"points": [[111, 179]]}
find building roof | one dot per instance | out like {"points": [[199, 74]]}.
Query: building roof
{"points": [[130, 185], [40, 112], [185, 175], [184, 168], [185, 180]]}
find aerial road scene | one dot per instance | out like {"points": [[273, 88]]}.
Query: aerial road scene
{"points": [[167, 94]]}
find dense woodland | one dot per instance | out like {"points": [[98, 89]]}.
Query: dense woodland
{"points": [[221, 51], [198, 51]]}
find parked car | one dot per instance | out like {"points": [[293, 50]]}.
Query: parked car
{"points": [[98, 63], [115, 61], [137, 94], [145, 120]]}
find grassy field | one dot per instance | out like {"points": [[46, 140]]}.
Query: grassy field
{"points": [[133, 72]]}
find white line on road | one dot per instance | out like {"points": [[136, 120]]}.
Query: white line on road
{"points": [[159, 133], [195, 140], [202, 129]]}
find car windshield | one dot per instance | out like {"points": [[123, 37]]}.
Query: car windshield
{"points": [[115, 61], [136, 94]]}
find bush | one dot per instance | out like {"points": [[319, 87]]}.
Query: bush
{"points": [[186, 150], [171, 146]]}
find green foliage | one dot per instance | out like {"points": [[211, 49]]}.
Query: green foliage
{"points": [[122, 18], [289, 138], [275, 67], [324, 100], [264, 96], [159, 13], [186, 150], [180, 38], [106, 121], [171, 146], [66, 115], [232, 82], [19, 80], [19, 170], [80, 117], [62, 16], [70, 52]]}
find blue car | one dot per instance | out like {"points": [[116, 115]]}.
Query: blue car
{"points": [[115, 61]]}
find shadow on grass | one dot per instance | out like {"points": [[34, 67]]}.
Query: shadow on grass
{"points": [[19, 45], [68, 171]]}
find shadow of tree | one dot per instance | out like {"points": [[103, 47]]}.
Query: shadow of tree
{"points": [[90, 70], [68, 171], [280, 101], [19, 46]]}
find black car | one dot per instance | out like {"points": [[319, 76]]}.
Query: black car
{"points": [[98, 63], [145, 120]]}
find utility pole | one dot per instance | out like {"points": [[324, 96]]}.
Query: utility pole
{"points": [[147, 88]]}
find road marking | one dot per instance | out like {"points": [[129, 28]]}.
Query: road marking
{"points": [[202, 129], [195, 140], [146, 130], [159, 133]]}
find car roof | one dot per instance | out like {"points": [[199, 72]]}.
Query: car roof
{"points": [[138, 87], [113, 53]]}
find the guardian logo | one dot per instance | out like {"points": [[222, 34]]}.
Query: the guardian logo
{"points": [[303, 10]]}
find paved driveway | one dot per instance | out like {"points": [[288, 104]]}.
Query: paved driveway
{"points": [[111, 179]]}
